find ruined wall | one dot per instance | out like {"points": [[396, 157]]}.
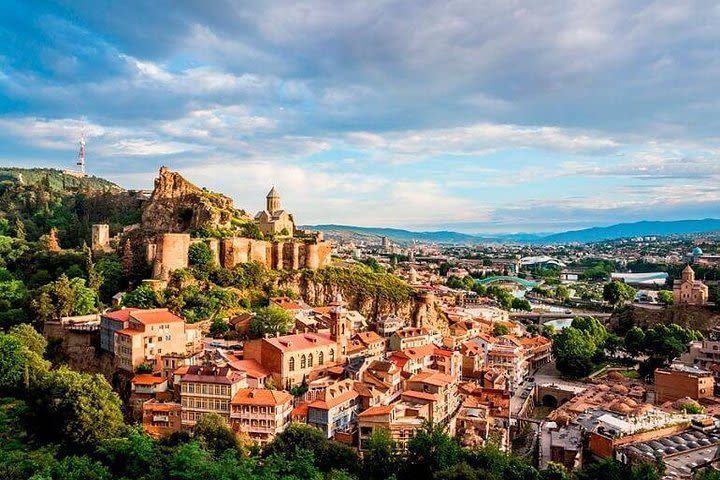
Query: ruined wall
{"points": [[171, 253], [100, 239]]}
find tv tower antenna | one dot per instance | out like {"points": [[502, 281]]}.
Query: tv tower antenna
{"points": [[81, 154]]}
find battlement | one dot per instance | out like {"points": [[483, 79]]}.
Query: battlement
{"points": [[170, 252]]}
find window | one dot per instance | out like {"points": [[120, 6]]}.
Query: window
{"points": [[332, 354], [310, 360], [321, 358], [303, 362], [291, 364]]}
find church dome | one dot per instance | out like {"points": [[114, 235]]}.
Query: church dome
{"points": [[697, 251]]}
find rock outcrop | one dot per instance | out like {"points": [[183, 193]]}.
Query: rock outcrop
{"points": [[177, 205], [417, 308]]}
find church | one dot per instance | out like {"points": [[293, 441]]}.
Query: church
{"points": [[274, 220], [688, 290]]}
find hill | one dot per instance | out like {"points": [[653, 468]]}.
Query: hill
{"points": [[55, 178], [637, 229], [594, 234]]}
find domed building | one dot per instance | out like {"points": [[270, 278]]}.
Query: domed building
{"points": [[689, 291], [274, 220]]}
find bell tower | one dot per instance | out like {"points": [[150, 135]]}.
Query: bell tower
{"points": [[340, 327], [273, 200]]}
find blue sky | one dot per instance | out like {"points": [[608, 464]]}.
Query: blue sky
{"points": [[490, 116]]}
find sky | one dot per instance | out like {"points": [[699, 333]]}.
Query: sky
{"points": [[474, 116]]}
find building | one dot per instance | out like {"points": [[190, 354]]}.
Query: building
{"points": [[410, 337], [111, 322], [681, 381], [689, 291], [292, 358], [336, 409], [538, 351], [274, 220], [150, 334], [389, 324], [161, 418], [208, 390], [437, 389], [402, 419], [260, 413]]}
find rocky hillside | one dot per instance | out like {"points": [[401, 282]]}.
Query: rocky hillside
{"points": [[54, 179], [372, 294], [689, 316], [176, 205]]}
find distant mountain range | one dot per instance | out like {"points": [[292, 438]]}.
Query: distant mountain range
{"points": [[594, 234]]}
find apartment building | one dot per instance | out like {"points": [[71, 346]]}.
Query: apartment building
{"points": [[260, 413], [150, 334], [208, 389], [410, 337], [336, 409]]}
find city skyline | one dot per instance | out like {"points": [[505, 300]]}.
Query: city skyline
{"points": [[419, 115]]}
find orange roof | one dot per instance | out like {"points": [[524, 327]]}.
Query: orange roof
{"points": [[410, 332], [155, 406], [147, 380], [155, 315], [286, 303], [416, 352], [300, 411], [335, 395], [487, 338], [432, 378], [261, 396], [121, 315], [300, 341], [369, 337], [251, 367], [129, 331], [181, 370], [442, 352], [420, 395], [535, 341], [377, 410]]}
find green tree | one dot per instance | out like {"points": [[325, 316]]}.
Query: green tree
{"points": [[78, 410], [665, 297], [216, 434], [200, 256], [19, 229], [617, 293], [521, 304], [142, 297], [78, 468], [30, 338], [562, 292], [555, 471], [431, 450], [271, 320], [379, 460], [499, 330], [574, 350], [218, 328], [635, 341]]}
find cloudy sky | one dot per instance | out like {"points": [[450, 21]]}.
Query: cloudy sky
{"points": [[479, 116]]}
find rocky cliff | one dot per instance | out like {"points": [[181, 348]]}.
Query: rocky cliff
{"points": [[702, 318], [373, 295], [176, 205]]}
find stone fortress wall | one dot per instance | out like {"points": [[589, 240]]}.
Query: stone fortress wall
{"points": [[170, 252]]}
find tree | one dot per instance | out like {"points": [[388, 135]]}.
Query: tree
{"points": [[78, 468], [216, 434], [78, 410], [562, 292], [499, 330], [29, 337], [617, 293], [141, 297], [521, 304], [12, 363], [692, 408], [431, 450], [635, 341], [379, 461], [574, 350], [19, 229], [218, 328], [200, 256], [665, 297], [271, 320], [555, 471]]}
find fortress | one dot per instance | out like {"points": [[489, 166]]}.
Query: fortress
{"points": [[170, 252], [177, 208]]}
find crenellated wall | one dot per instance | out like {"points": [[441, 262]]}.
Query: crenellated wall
{"points": [[170, 252]]}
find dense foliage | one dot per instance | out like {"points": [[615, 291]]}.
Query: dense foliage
{"points": [[579, 347]]}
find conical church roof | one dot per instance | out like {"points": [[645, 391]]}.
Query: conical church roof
{"points": [[273, 193]]}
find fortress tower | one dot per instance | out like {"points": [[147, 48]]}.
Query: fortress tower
{"points": [[273, 200], [340, 327]]}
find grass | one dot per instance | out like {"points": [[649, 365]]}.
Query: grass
{"points": [[632, 374], [540, 412]]}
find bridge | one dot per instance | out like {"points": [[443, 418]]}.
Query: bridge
{"points": [[535, 317], [528, 284]]}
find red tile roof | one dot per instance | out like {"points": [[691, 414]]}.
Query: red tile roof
{"points": [[300, 341], [286, 303], [147, 380], [432, 378], [261, 396], [335, 395], [121, 315], [420, 395], [129, 331], [251, 367], [155, 315], [377, 410]]}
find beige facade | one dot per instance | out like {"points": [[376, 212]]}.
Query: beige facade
{"points": [[150, 334], [206, 390], [274, 220], [690, 291], [261, 414]]}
